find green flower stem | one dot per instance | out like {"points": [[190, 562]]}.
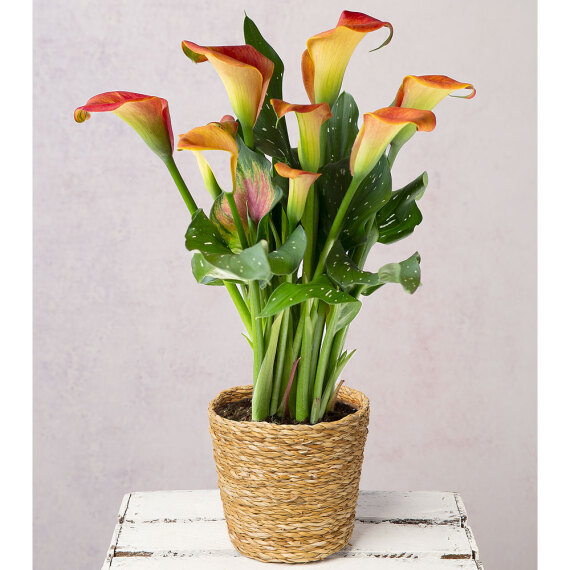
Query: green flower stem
{"points": [[323, 364], [336, 227], [310, 222], [334, 355], [184, 192], [303, 379], [192, 207], [393, 153], [279, 377], [241, 306], [248, 136], [257, 328], [318, 330]]}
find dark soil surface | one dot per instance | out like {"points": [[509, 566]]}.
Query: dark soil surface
{"points": [[240, 411]]}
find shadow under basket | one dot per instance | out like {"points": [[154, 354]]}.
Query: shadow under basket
{"points": [[289, 491]]}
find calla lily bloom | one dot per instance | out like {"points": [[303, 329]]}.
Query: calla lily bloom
{"points": [[300, 182], [245, 74], [426, 91], [148, 115], [423, 92], [378, 130], [310, 119], [213, 136], [324, 61]]}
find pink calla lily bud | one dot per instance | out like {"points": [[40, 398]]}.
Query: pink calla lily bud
{"points": [[324, 61], [148, 115]]}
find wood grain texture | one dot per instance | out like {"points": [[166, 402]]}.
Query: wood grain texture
{"points": [[183, 530]]}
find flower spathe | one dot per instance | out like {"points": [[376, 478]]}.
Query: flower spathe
{"points": [[310, 119], [213, 136], [378, 130], [300, 182], [426, 91], [324, 61], [245, 74], [147, 114]]}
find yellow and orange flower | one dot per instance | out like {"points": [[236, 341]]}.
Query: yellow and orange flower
{"points": [[423, 92], [378, 130], [148, 115], [426, 91], [213, 136], [245, 74], [310, 119], [324, 61], [300, 182]]}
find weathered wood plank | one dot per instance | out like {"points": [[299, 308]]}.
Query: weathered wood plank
{"points": [[241, 563], [414, 507], [184, 530], [383, 540]]}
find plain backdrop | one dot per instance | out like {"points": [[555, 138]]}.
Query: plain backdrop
{"points": [[129, 349]]}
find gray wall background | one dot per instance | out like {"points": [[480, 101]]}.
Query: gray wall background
{"points": [[129, 350]]}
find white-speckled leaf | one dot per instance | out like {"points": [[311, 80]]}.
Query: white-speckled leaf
{"points": [[289, 294], [202, 235], [288, 257]]}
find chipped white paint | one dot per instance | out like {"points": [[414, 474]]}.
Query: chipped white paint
{"points": [[183, 530]]}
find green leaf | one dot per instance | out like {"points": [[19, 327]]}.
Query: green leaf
{"points": [[342, 128], [407, 273], [331, 186], [288, 257], [201, 270], [373, 193], [270, 138], [202, 235], [263, 386], [400, 216], [346, 315], [289, 294], [251, 264], [344, 272]]}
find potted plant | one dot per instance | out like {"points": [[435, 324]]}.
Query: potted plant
{"points": [[288, 241]]}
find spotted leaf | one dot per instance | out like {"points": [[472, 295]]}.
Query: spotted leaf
{"points": [[342, 128], [400, 216], [289, 294], [288, 257]]}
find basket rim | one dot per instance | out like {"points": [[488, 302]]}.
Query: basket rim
{"points": [[355, 417]]}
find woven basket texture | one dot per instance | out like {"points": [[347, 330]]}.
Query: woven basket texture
{"points": [[289, 491]]}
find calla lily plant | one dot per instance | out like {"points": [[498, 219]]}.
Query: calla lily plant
{"points": [[289, 239]]}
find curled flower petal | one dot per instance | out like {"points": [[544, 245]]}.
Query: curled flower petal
{"points": [[148, 115], [378, 130], [324, 61], [426, 91], [300, 182], [310, 119], [245, 74], [213, 136]]}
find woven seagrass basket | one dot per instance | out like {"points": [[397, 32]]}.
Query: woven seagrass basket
{"points": [[289, 491]]}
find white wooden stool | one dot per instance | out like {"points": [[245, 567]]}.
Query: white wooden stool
{"points": [[184, 530]]}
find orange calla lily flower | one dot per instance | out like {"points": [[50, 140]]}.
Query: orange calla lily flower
{"points": [[426, 91], [245, 74], [148, 115], [213, 136], [310, 119], [423, 92], [300, 182], [324, 61], [378, 130]]}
